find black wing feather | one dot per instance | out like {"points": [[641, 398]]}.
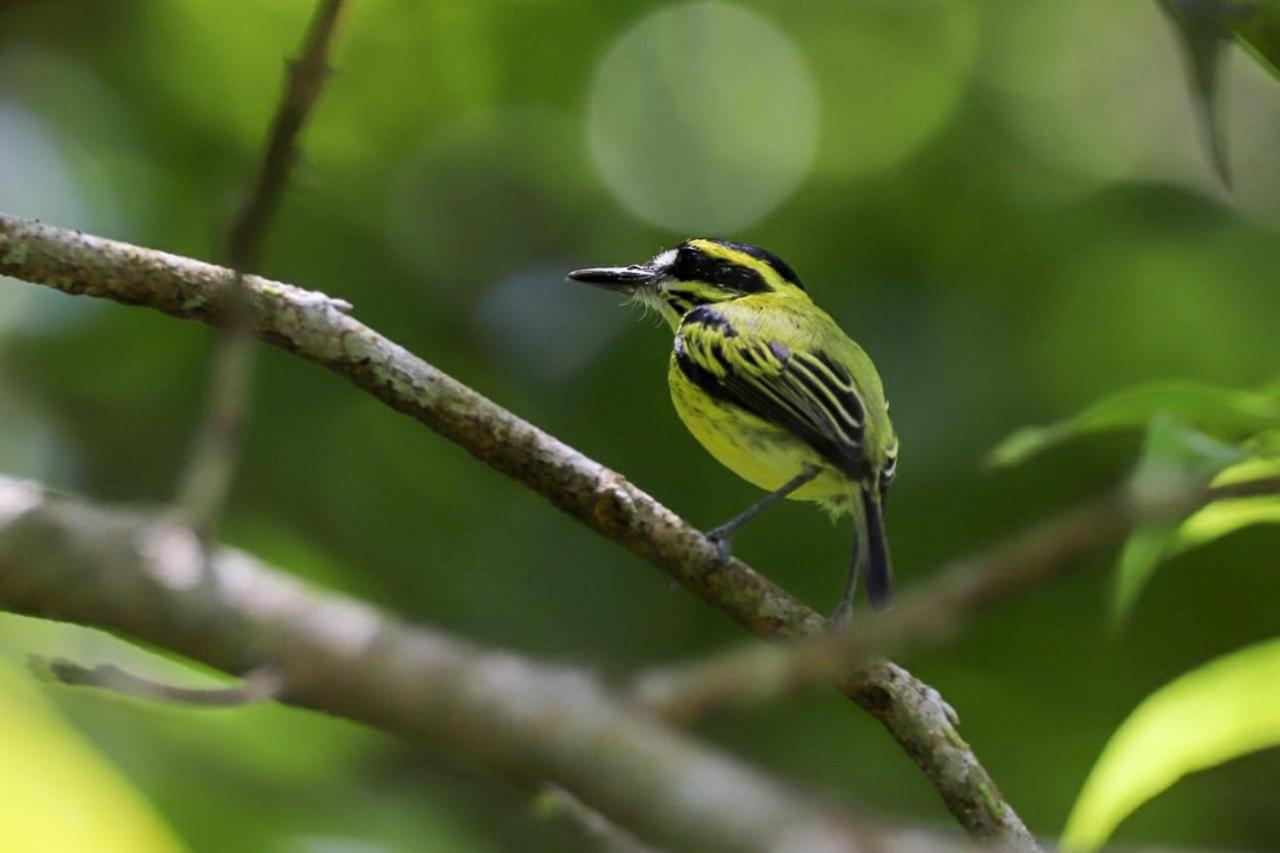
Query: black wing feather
{"points": [[805, 393]]}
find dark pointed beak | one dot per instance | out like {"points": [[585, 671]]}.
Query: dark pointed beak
{"points": [[621, 279]]}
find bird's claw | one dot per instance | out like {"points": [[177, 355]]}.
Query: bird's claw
{"points": [[722, 541], [841, 619]]}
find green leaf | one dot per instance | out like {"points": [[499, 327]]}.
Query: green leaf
{"points": [[1205, 29], [1204, 32], [1264, 445], [1225, 709], [1144, 550], [1223, 517], [1259, 32], [1175, 456], [1223, 413], [57, 793]]}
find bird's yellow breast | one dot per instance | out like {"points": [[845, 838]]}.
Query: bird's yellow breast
{"points": [[757, 451]]}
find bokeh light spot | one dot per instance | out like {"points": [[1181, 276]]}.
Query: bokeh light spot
{"points": [[703, 118], [544, 328], [892, 82], [1126, 112]]}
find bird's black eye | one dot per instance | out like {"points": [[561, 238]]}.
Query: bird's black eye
{"points": [[685, 266]]}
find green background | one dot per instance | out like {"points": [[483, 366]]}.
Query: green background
{"points": [[1005, 202]]}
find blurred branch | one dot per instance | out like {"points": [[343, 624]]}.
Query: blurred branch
{"points": [[64, 559], [555, 800], [928, 615], [314, 327], [261, 685], [211, 469], [306, 79]]}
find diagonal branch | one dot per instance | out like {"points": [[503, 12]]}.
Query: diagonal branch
{"points": [[314, 327], [208, 477], [694, 690], [64, 559]]}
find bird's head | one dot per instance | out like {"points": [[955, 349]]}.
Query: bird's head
{"points": [[698, 272]]}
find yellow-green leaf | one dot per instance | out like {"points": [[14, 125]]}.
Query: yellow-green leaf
{"points": [[1223, 413], [1220, 711], [1174, 457], [1223, 517], [1264, 445], [56, 794]]}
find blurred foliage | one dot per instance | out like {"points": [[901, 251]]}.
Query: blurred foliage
{"points": [[1175, 457], [1222, 412], [56, 793], [1205, 29], [1257, 26], [1224, 517], [1176, 453], [1008, 204], [1226, 708], [1214, 713], [1194, 434]]}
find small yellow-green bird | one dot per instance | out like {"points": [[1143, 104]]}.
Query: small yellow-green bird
{"points": [[772, 387]]}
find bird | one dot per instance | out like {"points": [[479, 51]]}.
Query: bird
{"points": [[772, 387]]}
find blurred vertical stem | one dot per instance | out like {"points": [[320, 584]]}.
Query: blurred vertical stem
{"points": [[207, 480]]}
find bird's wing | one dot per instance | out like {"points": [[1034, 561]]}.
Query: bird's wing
{"points": [[802, 390]]}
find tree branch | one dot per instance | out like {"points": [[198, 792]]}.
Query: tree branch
{"points": [[608, 838], [314, 327], [63, 559], [210, 471], [958, 591]]}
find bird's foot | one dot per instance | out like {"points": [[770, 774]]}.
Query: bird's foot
{"points": [[723, 540], [841, 619]]}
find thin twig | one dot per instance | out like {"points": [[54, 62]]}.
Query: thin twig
{"points": [[211, 469], [315, 327], [262, 684], [306, 79], [695, 690]]}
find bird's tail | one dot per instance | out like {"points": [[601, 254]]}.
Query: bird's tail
{"points": [[879, 568]]}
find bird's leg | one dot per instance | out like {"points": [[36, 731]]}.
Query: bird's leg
{"points": [[723, 534], [844, 610]]}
